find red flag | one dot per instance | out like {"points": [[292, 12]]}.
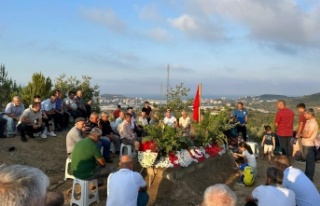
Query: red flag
{"points": [[196, 105]]}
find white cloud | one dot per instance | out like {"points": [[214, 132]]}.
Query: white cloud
{"points": [[275, 21], [159, 34], [150, 12], [194, 26], [105, 17]]}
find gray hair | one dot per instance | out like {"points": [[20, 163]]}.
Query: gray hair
{"points": [[22, 185], [96, 132], [104, 113], [219, 195], [310, 111]]}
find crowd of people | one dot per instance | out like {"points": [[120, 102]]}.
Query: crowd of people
{"points": [[89, 142]]}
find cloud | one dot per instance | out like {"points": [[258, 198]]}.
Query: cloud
{"points": [[150, 12], [105, 17], [198, 27], [159, 34], [281, 22]]}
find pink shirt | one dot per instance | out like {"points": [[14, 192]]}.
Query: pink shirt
{"points": [[312, 128]]}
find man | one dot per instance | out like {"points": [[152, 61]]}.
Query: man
{"points": [[105, 143], [241, 116], [219, 195], [30, 122], [284, 125], [12, 114], [169, 119], [87, 161], [116, 113], [126, 187], [22, 185], [185, 123], [60, 109], [107, 131], [49, 108], [295, 180], [88, 107], [272, 193], [71, 105], [147, 109], [143, 120], [309, 135], [117, 122], [75, 134], [126, 134], [79, 100], [297, 148]]}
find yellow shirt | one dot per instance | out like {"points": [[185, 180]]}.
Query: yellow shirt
{"points": [[312, 128]]}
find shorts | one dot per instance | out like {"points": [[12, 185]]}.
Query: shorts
{"points": [[267, 148]]}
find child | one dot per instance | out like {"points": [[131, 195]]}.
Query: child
{"points": [[245, 172], [248, 155], [268, 143]]}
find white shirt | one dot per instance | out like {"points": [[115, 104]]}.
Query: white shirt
{"points": [[47, 105], [184, 122], [275, 196], [305, 191], [30, 115], [170, 121], [250, 158], [142, 121], [71, 103], [123, 187]]}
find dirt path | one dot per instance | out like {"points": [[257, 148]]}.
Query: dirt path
{"points": [[50, 154]]}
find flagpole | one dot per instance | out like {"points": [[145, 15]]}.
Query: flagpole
{"points": [[200, 93]]}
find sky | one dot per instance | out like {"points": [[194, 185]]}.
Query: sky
{"points": [[232, 47]]}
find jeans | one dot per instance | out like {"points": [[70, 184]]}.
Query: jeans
{"points": [[106, 148], [284, 142], [23, 128], [143, 199], [308, 153], [11, 124]]}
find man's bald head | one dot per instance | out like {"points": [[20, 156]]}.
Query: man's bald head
{"points": [[126, 162]]}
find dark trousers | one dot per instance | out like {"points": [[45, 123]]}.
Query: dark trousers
{"points": [[243, 130], [74, 113], [23, 128], [308, 153], [3, 123], [106, 148], [285, 145], [65, 120], [57, 119]]}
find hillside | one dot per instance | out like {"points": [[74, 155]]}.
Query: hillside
{"points": [[113, 96]]}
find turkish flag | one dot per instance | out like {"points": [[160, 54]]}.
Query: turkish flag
{"points": [[196, 105]]}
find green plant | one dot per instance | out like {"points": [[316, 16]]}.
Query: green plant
{"points": [[211, 129]]}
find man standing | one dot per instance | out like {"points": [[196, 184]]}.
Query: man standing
{"points": [[284, 124], [309, 135], [301, 107], [295, 180], [87, 161], [185, 123], [30, 121], [12, 114], [75, 134], [241, 116], [169, 119], [147, 109], [126, 187]]}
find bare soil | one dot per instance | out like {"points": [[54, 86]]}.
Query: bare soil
{"points": [[49, 155]]}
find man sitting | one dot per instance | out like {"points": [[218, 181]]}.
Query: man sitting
{"points": [[60, 109], [219, 194], [105, 143], [170, 120], [75, 134], [30, 121], [87, 161], [126, 134], [81, 108], [49, 108], [71, 105], [272, 193], [185, 123], [107, 131], [295, 180], [126, 187], [117, 122], [12, 114]]}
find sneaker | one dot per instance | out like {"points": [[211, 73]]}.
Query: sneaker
{"points": [[240, 183], [43, 136], [23, 139], [52, 134]]}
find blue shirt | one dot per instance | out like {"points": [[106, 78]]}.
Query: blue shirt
{"points": [[240, 115], [58, 104]]}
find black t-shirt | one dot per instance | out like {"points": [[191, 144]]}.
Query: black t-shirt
{"points": [[147, 110], [106, 128], [268, 139]]}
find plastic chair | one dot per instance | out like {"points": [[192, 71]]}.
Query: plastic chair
{"points": [[87, 196], [66, 173], [128, 148], [254, 147]]}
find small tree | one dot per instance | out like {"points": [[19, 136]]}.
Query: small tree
{"points": [[39, 85]]}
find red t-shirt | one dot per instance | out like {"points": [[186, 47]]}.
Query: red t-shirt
{"points": [[116, 113], [302, 119], [284, 119]]}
